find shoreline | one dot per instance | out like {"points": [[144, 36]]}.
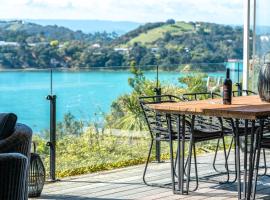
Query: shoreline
{"points": [[105, 69]]}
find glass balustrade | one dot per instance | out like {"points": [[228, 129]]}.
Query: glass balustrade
{"points": [[99, 122]]}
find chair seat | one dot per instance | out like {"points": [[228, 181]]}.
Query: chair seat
{"points": [[266, 142], [199, 135], [241, 130]]}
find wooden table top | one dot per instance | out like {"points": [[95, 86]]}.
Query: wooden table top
{"points": [[244, 107]]}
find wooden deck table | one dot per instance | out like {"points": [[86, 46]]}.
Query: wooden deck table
{"points": [[248, 108]]}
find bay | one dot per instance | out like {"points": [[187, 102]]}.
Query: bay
{"points": [[85, 94]]}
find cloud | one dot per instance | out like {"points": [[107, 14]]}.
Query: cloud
{"points": [[221, 11]]}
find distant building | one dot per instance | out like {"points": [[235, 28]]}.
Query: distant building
{"points": [[154, 50], [234, 64], [96, 46], [122, 50], [265, 38], [4, 43], [37, 44]]}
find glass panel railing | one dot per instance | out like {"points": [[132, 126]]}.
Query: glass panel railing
{"points": [[24, 93], [99, 121], [100, 125]]}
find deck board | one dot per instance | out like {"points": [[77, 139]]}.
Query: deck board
{"points": [[126, 183]]}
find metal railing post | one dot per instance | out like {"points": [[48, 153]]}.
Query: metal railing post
{"points": [[52, 142], [238, 84], [158, 99]]}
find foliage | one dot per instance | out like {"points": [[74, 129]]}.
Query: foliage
{"points": [[126, 112], [69, 126], [83, 148], [164, 43], [94, 151], [194, 83]]}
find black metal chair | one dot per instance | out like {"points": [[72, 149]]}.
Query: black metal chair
{"points": [[158, 128], [241, 129], [236, 93], [157, 124], [209, 121]]}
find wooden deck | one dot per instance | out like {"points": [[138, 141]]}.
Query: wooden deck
{"points": [[127, 183]]}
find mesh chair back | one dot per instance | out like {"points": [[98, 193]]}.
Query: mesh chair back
{"points": [[244, 92], [157, 122], [200, 96], [204, 123]]}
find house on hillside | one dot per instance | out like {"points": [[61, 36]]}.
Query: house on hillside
{"points": [[122, 50], [4, 43], [96, 46]]}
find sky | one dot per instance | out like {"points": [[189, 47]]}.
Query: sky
{"points": [[218, 11]]}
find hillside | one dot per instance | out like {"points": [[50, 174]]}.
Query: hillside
{"points": [[90, 26], [167, 44], [18, 31], [153, 35], [182, 42]]}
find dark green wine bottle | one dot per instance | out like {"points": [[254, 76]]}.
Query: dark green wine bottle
{"points": [[227, 89]]}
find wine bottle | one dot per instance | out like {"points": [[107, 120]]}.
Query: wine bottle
{"points": [[227, 89]]}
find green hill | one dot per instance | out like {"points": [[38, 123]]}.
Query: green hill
{"points": [[154, 34], [21, 31], [186, 42], [167, 44]]}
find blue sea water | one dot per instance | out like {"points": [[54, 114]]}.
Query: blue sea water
{"points": [[86, 94]]}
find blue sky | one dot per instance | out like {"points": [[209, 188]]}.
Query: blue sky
{"points": [[219, 11]]}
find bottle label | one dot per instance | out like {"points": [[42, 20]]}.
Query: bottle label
{"points": [[227, 95]]}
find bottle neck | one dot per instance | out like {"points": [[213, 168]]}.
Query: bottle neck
{"points": [[228, 74]]}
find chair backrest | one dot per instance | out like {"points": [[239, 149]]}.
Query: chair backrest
{"points": [[203, 122], [199, 96], [243, 92], [156, 122], [227, 122]]}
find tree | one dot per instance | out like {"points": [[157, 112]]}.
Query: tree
{"points": [[148, 59], [137, 52], [114, 59], [170, 21]]}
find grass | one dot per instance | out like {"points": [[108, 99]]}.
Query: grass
{"points": [[93, 152], [157, 33]]}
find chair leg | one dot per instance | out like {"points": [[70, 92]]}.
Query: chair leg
{"points": [[189, 162], [175, 163], [215, 157], [230, 148], [264, 162], [196, 167], [229, 151], [226, 161], [235, 166], [147, 162]]}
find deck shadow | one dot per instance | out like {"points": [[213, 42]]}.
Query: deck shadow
{"points": [[72, 197]]}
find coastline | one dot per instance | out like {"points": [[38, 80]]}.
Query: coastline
{"points": [[107, 69]]}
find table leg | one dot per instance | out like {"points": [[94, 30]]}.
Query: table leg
{"points": [[182, 168], [245, 158], [235, 126], [258, 147], [190, 150], [181, 152], [251, 164], [168, 117]]}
